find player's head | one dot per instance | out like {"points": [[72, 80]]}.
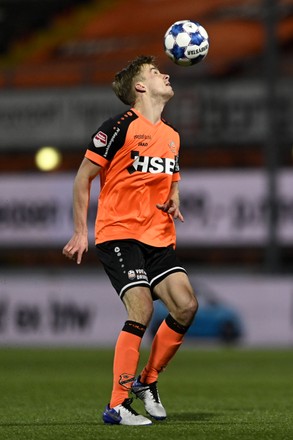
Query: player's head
{"points": [[124, 80]]}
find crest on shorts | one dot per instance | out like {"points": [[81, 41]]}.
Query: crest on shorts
{"points": [[131, 274]]}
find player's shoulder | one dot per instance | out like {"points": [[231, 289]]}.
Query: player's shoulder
{"points": [[168, 124], [113, 128], [122, 119], [112, 134]]}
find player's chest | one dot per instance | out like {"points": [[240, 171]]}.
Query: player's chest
{"points": [[158, 142]]}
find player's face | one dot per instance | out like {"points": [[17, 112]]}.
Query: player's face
{"points": [[157, 83]]}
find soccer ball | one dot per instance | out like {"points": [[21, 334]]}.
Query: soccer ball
{"points": [[186, 42]]}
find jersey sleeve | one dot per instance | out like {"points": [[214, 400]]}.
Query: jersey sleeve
{"points": [[105, 142], [176, 173]]}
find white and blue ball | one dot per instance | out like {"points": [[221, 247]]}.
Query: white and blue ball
{"points": [[186, 42]]}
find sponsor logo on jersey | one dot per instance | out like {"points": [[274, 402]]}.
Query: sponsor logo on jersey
{"points": [[112, 139], [148, 164], [100, 140], [142, 136]]}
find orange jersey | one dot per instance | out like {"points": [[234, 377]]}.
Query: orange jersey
{"points": [[139, 162]]}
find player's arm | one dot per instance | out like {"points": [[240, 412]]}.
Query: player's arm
{"points": [[171, 206], [78, 244]]}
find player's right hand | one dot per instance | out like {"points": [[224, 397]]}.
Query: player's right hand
{"points": [[77, 245]]}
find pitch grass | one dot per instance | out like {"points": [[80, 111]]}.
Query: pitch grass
{"points": [[217, 394]]}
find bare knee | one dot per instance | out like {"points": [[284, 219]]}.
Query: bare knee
{"points": [[177, 294], [186, 312]]}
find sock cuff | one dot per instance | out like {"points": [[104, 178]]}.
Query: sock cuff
{"points": [[174, 325], [134, 328]]}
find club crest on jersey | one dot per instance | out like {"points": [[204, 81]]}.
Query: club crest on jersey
{"points": [[154, 165], [172, 146], [100, 140]]}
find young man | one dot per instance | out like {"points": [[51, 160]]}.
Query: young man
{"points": [[136, 156]]}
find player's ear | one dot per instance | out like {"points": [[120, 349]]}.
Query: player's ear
{"points": [[140, 87]]}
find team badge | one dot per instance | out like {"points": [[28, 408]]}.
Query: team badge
{"points": [[100, 140], [131, 274], [172, 146]]}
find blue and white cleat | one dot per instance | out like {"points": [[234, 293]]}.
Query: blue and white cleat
{"points": [[149, 394], [124, 414]]}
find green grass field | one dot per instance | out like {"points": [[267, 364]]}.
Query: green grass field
{"points": [[217, 394]]}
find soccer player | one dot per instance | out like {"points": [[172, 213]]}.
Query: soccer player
{"points": [[136, 156]]}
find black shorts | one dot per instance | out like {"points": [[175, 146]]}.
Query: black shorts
{"points": [[130, 263]]}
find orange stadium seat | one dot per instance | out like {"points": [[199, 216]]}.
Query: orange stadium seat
{"points": [[92, 42]]}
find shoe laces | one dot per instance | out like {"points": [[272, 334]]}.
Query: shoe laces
{"points": [[127, 405], [154, 391]]}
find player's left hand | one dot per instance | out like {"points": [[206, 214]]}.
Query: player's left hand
{"points": [[170, 207]]}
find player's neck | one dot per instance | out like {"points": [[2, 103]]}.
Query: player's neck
{"points": [[151, 112]]}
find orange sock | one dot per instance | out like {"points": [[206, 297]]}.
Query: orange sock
{"points": [[166, 342], [126, 359]]}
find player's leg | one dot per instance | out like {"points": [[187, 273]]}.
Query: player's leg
{"points": [[169, 283], [139, 306], [177, 293], [118, 258]]}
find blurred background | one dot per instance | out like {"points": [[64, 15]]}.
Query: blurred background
{"points": [[234, 111]]}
